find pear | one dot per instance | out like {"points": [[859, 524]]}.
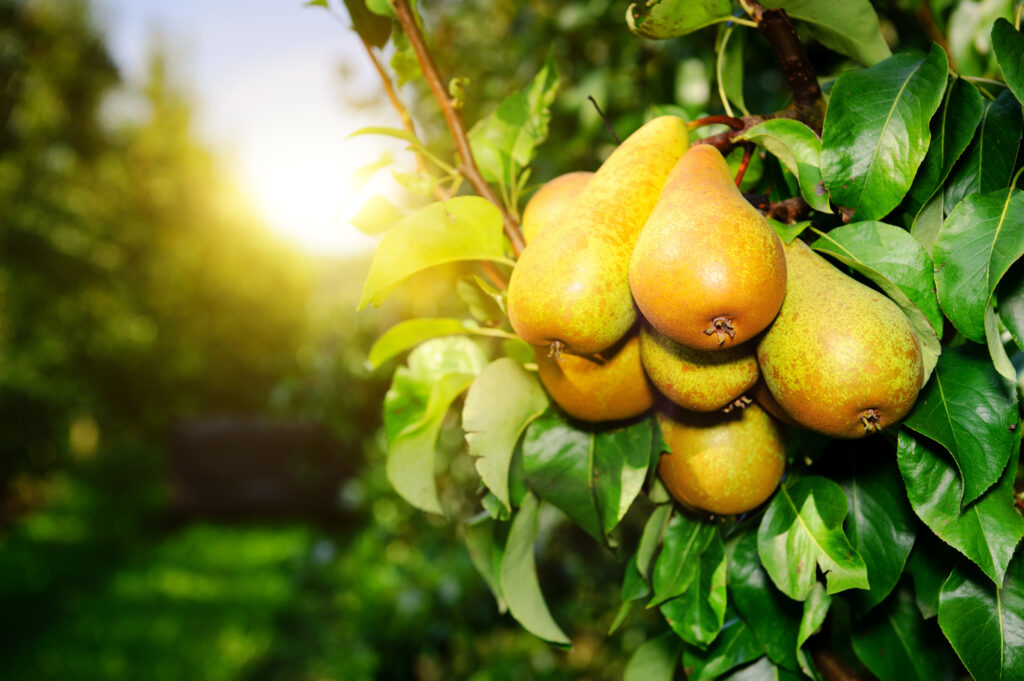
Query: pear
{"points": [[698, 380], [841, 359], [760, 394], [549, 203], [598, 391], [570, 288], [707, 269], [721, 463]]}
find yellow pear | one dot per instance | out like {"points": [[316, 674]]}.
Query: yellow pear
{"points": [[570, 288], [707, 269], [598, 391], [841, 358], [698, 380], [721, 463], [764, 399], [549, 203]]}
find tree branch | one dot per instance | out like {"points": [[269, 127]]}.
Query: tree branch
{"points": [[468, 167]]}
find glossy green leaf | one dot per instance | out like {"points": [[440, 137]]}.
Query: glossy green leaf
{"points": [[651, 538], [376, 216], [996, 347], [673, 18], [893, 253], [952, 130], [985, 623], [971, 410], [735, 645], [591, 472], [881, 524], [897, 644], [799, 150], [762, 670], [928, 222], [519, 581], [1010, 300], [486, 554], [1008, 45], [849, 27], [729, 66], [463, 228], [655, 660], [788, 232], [678, 563], [698, 614], [503, 400], [876, 131], [774, 618], [987, 165], [436, 373], [929, 565], [504, 142], [986, 531], [802, 529], [815, 610], [410, 333]]}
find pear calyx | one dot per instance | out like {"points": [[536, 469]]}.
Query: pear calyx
{"points": [[872, 421], [722, 326]]}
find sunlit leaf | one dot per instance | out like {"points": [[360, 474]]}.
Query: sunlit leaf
{"points": [[673, 18], [985, 622], [376, 216], [928, 222], [655, 660], [463, 228], [876, 131], [802, 530], [502, 401], [519, 582], [485, 302], [849, 27], [986, 531], [789, 232], [684, 541], [698, 614], [799, 150], [410, 333], [971, 410]]}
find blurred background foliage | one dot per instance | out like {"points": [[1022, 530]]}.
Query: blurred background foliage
{"points": [[136, 289]]}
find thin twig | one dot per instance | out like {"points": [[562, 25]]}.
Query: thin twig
{"points": [[468, 168], [607, 123], [748, 152]]}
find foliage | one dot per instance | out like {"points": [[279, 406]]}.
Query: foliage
{"points": [[910, 182]]}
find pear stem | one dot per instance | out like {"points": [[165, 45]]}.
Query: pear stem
{"points": [[468, 167]]}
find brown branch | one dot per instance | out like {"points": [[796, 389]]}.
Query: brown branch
{"points": [[731, 121], [468, 167], [832, 668], [748, 152]]}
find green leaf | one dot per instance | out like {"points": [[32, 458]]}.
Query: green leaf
{"points": [[734, 646], [698, 614], [519, 577], [896, 644], [774, 618], [893, 253], [591, 472], [651, 538], [762, 670], [988, 163], [1008, 45], [678, 563], [463, 228], [970, 410], [503, 400], [801, 529], [655, 660], [485, 302], [876, 131], [881, 524], [986, 531], [376, 216], [788, 232], [930, 563], [979, 241], [486, 554], [985, 623], [504, 142], [952, 130], [1010, 299], [799, 150], [849, 27], [397, 133], [409, 334], [673, 18], [815, 610], [928, 222], [729, 66], [371, 27], [404, 61]]}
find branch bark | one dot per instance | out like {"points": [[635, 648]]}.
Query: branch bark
{"points": [[777, 29], [433, 77]]}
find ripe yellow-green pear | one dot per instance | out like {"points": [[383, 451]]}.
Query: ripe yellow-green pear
{"points": [[840, 359], [570, 287], [721, 463], [698, 380], [549, 203], [764, 399], [707, 269], [598, 391]]}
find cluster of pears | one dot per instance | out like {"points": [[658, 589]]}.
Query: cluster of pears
{"points": [[654, 283]]}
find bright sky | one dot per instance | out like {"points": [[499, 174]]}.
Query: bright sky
{"points": [[268, 97]]}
